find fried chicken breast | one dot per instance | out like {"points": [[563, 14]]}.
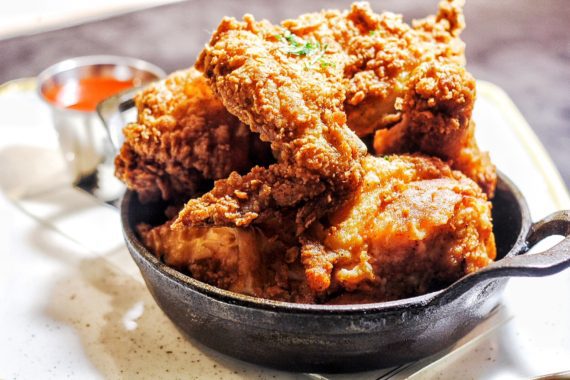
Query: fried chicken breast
{"points": [[412, 225]]}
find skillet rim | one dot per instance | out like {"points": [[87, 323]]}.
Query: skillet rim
{"points": [[135, 246]]}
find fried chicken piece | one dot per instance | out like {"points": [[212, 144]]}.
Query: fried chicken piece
{"points": [[409, 76], [183, 140], [299, 111], [437, 111], [243, 260], [240, 200], [380, 54], [412, 225]]}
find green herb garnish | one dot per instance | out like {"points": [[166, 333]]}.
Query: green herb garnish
{"points": [[326, 63], [298, 46], [304, 48]]}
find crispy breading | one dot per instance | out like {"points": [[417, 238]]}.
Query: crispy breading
{"points": [[183, 140], [299, 111], [437, 121], [412, 225], [243, 260]]}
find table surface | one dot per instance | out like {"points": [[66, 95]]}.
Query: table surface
{"points": [[25, 17], [521, 45]]}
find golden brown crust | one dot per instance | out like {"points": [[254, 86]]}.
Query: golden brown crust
{"points": [[242, 260], [183, 140], [298, 110], [412, 225], [437, 113]]}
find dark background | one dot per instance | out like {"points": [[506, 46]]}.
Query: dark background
{"points": [[521, 45]]}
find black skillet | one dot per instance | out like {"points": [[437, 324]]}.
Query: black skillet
{"points": [[322, 338]]}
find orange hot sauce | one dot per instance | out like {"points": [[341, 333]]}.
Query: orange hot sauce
{"points": [[86, 93]]}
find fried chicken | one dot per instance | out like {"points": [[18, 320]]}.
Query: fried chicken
{"points": [[380, 54], [261, 263], [394, 73], [372, 55], [327, 222], [412, 225], [183, 140], [269, 78], [299, 111], [407, 210], [391, 73], [436, 121]]}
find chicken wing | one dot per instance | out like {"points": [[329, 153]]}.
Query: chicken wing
{"points": [[183, 140]]}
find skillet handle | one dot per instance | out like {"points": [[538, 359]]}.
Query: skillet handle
{"points": [[552, 260]]}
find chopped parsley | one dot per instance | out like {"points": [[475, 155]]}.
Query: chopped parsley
{"points": [[304, 48], [326, 63], [298, 46]]}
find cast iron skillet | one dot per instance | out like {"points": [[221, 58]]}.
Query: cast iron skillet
{"points": [[343, 338]]}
